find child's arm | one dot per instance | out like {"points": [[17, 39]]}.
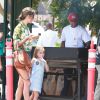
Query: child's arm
{"points": [[29, 69], [32, 61], [46, 67]]}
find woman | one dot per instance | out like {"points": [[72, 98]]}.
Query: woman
{"points": [[23, 39]]}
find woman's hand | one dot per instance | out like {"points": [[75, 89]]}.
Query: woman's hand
{"points": [[32, 37], [24, 40], [28, 69]]}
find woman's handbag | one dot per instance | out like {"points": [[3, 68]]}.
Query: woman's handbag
{"points": [[22, 59]]}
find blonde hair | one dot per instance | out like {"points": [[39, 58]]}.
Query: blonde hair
{"points": [[38, 49], [25, 12]]}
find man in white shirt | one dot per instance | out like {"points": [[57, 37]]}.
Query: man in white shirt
{"points": [[73, 36], [49, 38]]}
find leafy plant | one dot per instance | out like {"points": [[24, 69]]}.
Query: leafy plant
{"points": [[88, 11]]}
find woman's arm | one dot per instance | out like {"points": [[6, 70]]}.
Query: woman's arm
{"points": [[34, 37], [23, 41], [30, 37]]}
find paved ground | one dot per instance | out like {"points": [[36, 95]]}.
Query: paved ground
{"points": [[55, 98], [59, 98]]}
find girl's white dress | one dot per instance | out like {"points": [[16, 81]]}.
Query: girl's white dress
{"points": [[37, 74]]}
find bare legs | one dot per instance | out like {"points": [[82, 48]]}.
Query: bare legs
{"points": [[26, 89], [23, 85], [19, 90], [34, 95]]}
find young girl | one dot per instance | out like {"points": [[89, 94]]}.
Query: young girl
{"points": [[38, 67]]}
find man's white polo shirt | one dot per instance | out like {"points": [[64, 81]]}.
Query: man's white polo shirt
{"points": [[74, 37]]}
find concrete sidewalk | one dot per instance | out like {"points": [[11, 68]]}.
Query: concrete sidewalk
{"points": [[55, 98]]}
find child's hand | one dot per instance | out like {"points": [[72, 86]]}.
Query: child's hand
{"points": [[46, 67]]}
